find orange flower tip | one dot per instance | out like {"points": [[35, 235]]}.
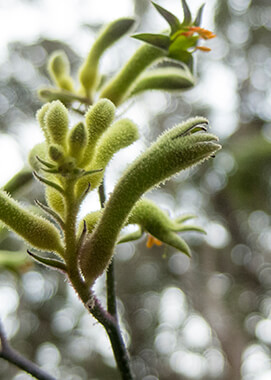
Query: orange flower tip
{"points": [[203, 33], [203, 48], [152, 241], [187, 34]]}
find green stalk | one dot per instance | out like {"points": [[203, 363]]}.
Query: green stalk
{"points": [[177, 149], [117, 89]]}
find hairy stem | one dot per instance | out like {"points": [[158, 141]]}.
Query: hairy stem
{"points": [[110, 274], [107, 319], [117, 89]]}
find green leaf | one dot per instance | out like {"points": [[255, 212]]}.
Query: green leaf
{"points": [[53, 263], [199, 15], [172, 20], [160, 41], [49, 183], [187, 13]]}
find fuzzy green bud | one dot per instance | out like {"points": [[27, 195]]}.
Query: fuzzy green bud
{"points": [[156, 222], [57, 123], [39, 150], [37, 231], [91, 220], [59, 70], [88, 74], [66, 97], [55, 200], [175, 150], [120, 135], [98, 119], [77, 141], [41, 119], [56, 153], [166, 79]]}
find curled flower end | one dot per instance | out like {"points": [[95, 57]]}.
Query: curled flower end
{"points": [[153, 241]]}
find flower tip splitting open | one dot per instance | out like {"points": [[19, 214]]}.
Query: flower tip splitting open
{"points": [[153, 241], [183, 37], [203, 33], [194, 33]]}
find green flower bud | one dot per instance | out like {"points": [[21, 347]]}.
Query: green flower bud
{"points": [[39, 150], [88, 75], [41, 119], [59, 70], [66, 97], [55, 200], [98, 119], [156, 222], [57, 122], [176, 149], [37, 231], [77, 141], [56, 153], [18, 181], [91, 220], [120, 135], [166, 79]]}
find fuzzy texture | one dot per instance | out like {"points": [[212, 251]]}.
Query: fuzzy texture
{"points": [[120, 135], [153, 220], [98, 118], [57, 123], [88, 74], [77, 141], [166, 79], [55, 200], [39, 150], [118, 88], [56, 153], [37, 231], [59, 70], [175, 150], [41, 119], [91, 221]]}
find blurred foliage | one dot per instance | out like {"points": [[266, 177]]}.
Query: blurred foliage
{"points": [[227, 282]]}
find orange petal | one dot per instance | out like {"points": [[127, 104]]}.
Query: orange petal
{"points": [[151, 241], [204, 33], [187, 34], [203, 48]]}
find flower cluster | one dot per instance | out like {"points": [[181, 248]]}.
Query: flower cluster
{"points": [[183, 36]]}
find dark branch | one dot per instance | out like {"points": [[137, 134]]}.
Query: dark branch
{"points": [[20, 361]]}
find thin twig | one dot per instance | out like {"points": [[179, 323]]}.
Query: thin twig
{"points": [[12, 356], [112, 328], [111, 290]]}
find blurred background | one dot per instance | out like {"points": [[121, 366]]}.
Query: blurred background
{"points": [[208, 317]]}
